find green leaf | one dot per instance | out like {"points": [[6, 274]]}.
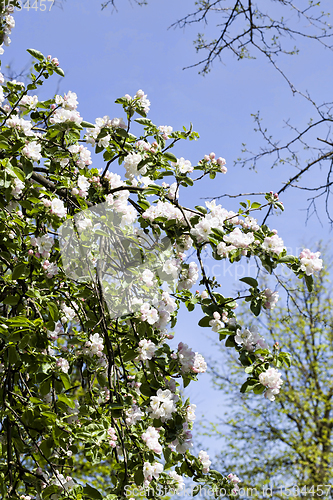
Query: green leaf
{"points": [[288, 258], [250, 281], [53, 310], [20, 270], [259, 389], [230, 342], [49, 490], [170, 156], [201, 209], [249, 385], [13, 357], [255, 307], [255, 204], [35, 53], [138, 477], [309, 283], [36, 401], [131, 354], [11, 301], [27, 169], [68, 401], [91, 492], [218, 232], [19, 173], [65, 380], [19, 321], [87, 124], [59, 71], [143, 121], [204, 322], [145, 390]]}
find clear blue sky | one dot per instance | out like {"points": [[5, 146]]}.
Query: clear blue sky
{"points": [[107, 54]]}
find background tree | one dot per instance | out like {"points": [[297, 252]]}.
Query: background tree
{"points": [[290, 441]]}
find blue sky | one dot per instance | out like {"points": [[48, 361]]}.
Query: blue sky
{"points": [[106, 54]]}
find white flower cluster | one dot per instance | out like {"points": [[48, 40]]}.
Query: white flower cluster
{"points": [[234, 480], [183, 442], [44, 244], [160, 313], [32, 150], [190, 413], [273, 244], [133, 415], [166, 306], [150, 437], [119, 202], [163, 404], [249, 223], [68, 313], [58, 208], [165, 130], [183, 166], [163, 209], [189, 360], [142, 100], [20, 124], [148, 278], [310, 262], [204, 459], [94, 346], [151, 471], [18, 187], [188, 277], [92, 133], [214, 219], [28, 102], [51, 268], [66, 112], [250, 339], [63, 482], [216, 323], [69, 101], [132, 161], [176, 478], [239, 239], [148, 313], [112, 436], [271, 379], [63, 364], [84, 158], [270, 298], [9, 24], [172, 267], [146, 349]]}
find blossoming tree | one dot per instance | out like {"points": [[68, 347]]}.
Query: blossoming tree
{"points": [[92, 275]]}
